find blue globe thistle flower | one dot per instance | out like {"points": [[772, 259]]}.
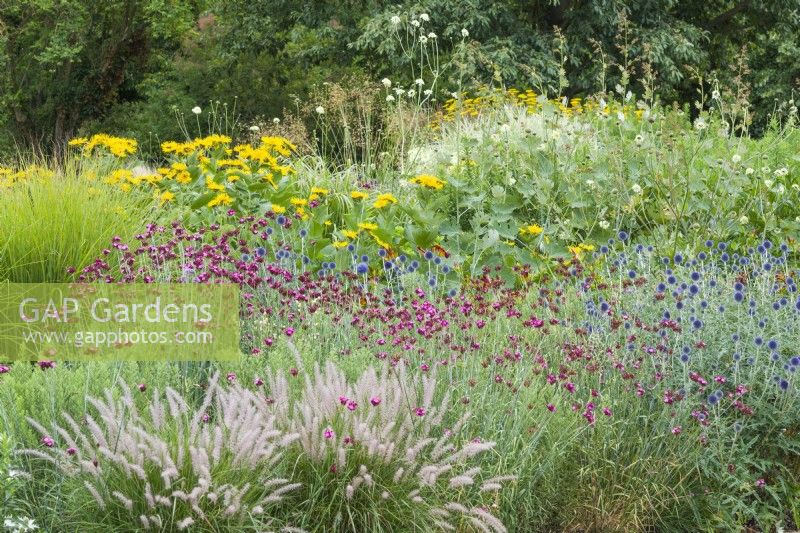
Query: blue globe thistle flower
{"points": [[365, 258], [623, 236], [695, 276], [604, 249], [712, 399], [306, 260], [445, 269], [351, 247], [415, 264], [269, 231], [697, 324], [702, 256], [261, 251], [632, 274], [382, 252], [709, 243], [767, 266], [738, 296], [303, 233], [694, 289], [432, 282], [428, 255], [772, 344], [388, 265], [784, 385], [332, 265], [685, 358], [362, 268], [672, 280], [246, 257], [437, 261], [611, 242], [452, 292], [767, 244], [758, 341], [725, 258], [678, 258], [661, 287], [774, 356], [722, 246], [281, 220]]}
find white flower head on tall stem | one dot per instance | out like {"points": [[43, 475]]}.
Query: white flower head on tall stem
{"points": [[395, 20], [386, 82], [427, 92], [425, 17], [431, 35], [389, 98], [464, 33], [320, 110], [415, 23], [196, 110], [411, 93], [420, 82]]}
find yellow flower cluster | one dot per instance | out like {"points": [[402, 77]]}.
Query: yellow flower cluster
{"points": [[118, 146], [466, 106], [532, 230], [197, 145], [9, 176], [178, 172], [383, 200], [429, 181]]}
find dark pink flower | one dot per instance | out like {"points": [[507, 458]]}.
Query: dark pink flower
{"points": [[375, 401], [419, 411], [47, 441]]}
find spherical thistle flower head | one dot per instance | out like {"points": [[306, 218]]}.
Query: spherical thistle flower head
{"points": [[362, 268], [351, 405], [772, 344], [419, 411], [375, 401], [678, 259], [142, 387], [47, 441], [328, 433], [623, 236]]}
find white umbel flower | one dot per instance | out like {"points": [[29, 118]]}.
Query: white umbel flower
{"points": [[196, 110]]}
